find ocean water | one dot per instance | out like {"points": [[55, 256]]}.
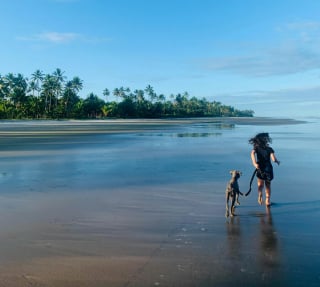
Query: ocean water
{"points": [[196, 153], [278, 246]]}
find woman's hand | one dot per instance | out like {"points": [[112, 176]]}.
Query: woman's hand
{"points": [[274, 159]]}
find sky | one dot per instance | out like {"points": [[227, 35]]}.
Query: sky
{"points": [[261, 55]]}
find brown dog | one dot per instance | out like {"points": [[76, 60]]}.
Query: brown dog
{"points": [[233, 191]]}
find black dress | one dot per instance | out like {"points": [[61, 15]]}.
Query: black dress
{"points": [[265, 171]]}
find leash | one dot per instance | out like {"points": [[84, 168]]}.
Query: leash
{"points": [[251, 180]]}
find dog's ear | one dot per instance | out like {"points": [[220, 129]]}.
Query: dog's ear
{"points": [[231, 171]]}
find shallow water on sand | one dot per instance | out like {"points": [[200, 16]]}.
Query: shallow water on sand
{"points": [[175, 175]]}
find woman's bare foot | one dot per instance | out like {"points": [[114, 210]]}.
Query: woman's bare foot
{"points": [[268, 203], [260, 199]]}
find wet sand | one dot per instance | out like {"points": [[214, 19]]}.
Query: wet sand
{"points": [[141, 203]]}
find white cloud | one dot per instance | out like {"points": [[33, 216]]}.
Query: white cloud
{"points": [[297, 51], [62, 38], [52, 37], [303, 26], [291, 102], [279, 61], [56, 37]]}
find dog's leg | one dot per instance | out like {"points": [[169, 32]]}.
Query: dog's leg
{"points": [[233, 207], [237, 200], [227, 203]]}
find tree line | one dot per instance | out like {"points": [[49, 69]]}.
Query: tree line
{"points": [[53, 96]]}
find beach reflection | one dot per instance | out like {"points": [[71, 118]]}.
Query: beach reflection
{"points": [[203, 130], [196, 135], [268, 242], [253, 250], [234, 238], [183, 135], [269, 253]]}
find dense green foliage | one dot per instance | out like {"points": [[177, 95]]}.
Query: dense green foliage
{"points": [[53, 96]]}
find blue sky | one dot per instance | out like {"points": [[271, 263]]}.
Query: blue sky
{"points": [[262, 55]]}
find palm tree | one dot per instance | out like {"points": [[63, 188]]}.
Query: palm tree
{"points": [[92, 105], [19, 88], [106, 93], [186, 95], [121, 92], [48, 91], [58, 74], [139, 94], [4, 89], [116, 92], [162, 98], [77, 84], [68, 92], [37, 77], [70, 97], [32, 87], [59, 80], [149, 90], [33, 107]]}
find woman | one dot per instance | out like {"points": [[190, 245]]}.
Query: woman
{"points": [[260, 156]]}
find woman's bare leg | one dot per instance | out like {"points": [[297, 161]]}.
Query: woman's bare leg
{"points": [[260, 190], [268, 193]]}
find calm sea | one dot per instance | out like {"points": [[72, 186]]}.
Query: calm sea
{"points": [[189, 158], [194, 153]]}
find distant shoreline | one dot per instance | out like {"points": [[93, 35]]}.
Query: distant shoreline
{"points": [[235, 120], [45, 127]]}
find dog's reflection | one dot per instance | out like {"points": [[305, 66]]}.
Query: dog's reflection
{"points": [[234, 237]]}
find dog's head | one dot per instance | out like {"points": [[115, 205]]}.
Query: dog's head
{"points": [[235, 173]]}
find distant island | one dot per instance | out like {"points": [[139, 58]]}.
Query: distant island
{"points": [[53, 96]]}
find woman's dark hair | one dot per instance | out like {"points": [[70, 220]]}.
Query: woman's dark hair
{"points": [[262, 140]]}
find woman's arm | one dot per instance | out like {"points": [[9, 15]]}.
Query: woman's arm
{"points": [[274, 158], [253, 158]]}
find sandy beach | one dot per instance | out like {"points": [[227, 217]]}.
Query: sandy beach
{"points": [[141, 203]]}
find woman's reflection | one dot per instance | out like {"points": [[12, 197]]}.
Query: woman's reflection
{"points": [[269, 254]]}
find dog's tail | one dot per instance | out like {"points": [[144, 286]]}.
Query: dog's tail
{"points": [[251, 180]]}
